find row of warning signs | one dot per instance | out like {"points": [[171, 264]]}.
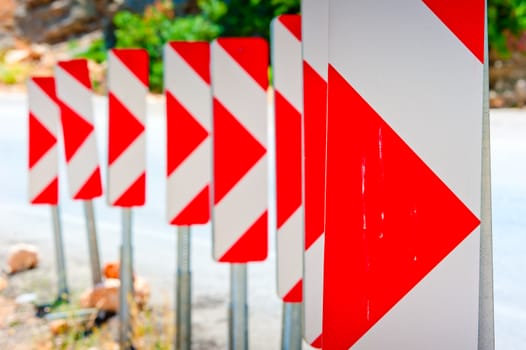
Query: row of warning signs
{"points": [[378, 114]]}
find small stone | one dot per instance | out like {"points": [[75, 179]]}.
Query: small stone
{"points": [[142, 291], [3, 283], [58, 327], [111, 269], [16, 56], [22, 257], [105, 296]]}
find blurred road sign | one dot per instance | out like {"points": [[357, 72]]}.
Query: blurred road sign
{"points": [[128, 87], [240, 184], [189, 123], [315, 26]]}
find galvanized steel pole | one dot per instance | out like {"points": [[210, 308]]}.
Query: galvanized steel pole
{"points": [[183, 331], [238, 318]]}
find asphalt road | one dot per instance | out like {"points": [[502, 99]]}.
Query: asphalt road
{"points": [[155, 246]]}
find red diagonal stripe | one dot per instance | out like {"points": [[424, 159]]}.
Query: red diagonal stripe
{"points": [[288, 159], [136, 60], [236, 151], [295, 295], [124, 128], [196, 212], [49, 195], [75, 129], [251, 54], [47, 84], [78, 69], [314, 114], [292, 23], [465, 19], [196, 55], [252, 246], [390, 219], [41, 140], [92, 187], [135, 195], [184, 133]]}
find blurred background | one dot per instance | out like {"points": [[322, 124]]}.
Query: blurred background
{"points": [[34, 34]]}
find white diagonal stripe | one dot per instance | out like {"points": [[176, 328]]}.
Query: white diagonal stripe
{"points": [[315, 34], [75, 95], [126, 169], [239, 93], [188, 87], [287, 64], [82, 165], [127, 88], [290, 252], [43, 107], [435, 105], [313, 290], [240, 208], [188, 180], [43, 172]]}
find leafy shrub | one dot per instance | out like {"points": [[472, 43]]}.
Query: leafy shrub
{"points": [[157, 26], [506, 26]]}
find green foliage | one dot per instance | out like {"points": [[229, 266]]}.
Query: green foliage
{"points": [[157, 26], [506, 26], [253, 17], [95, 52]]}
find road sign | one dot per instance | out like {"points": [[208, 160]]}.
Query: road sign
{"points": [[189, 119], [315, 26], [73, 87], [128, 87], [44, 119], [240, 81], [287, 62], [403, 175]]}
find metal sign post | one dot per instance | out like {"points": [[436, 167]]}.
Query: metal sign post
{"points": [[127, 90], [240, 182], [126, 275], [188, 153], [238, 320], [183, 286], [292, 326], [93, 245], [44, 125], [62, 284]]}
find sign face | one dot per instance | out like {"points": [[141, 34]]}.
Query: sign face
{"points": [[403, 175], [80, 145], [128, 87], [287, 62], [240, 183], [189, 123], [44, 123], [315, 26]]}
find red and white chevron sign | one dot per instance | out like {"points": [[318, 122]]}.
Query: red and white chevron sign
{"points": [[315, 26], [44, 123], [240, 185], [404, 175], [189, 119], [73, 87], [287, 62], [128, 87]]}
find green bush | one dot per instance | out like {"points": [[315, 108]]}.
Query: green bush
{"points": [[506, 26], [157, 26]]}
